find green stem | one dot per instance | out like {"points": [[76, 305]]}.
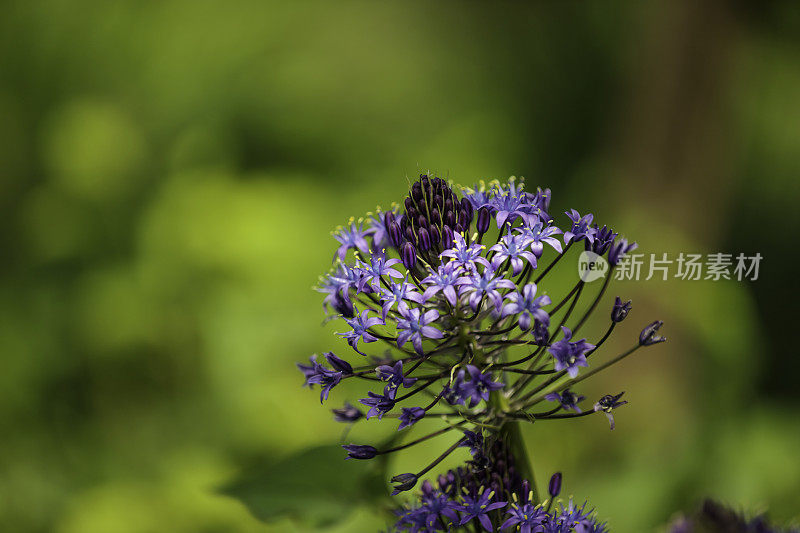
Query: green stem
{"points": [[512, 435]]}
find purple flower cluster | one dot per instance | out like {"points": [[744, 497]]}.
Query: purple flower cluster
{"points": [[452, 324], [445, 508]]}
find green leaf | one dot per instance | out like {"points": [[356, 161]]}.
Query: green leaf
{"points": [[316, 486]]}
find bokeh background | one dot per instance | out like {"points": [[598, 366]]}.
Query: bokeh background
{"points": [[170, 173]]}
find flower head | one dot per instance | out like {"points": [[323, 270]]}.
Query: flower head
{"points": [[477, 318]]}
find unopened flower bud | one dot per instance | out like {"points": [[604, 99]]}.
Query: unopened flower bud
{"points": [[620, 310], [408, 254], [447, 238], [424, 240], [483, 220], [360, 451], [403, 482], [338, 363], [348, 413], [649, 335], [554, 488], [395, 234]]}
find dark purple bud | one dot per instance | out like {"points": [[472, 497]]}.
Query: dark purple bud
{"points": [[422, 221], [483, 220], [409, 235], [408, 254], [450, 219], [458, 228], [435, 237], [426, 182], [620, 310], [412, 214], [348, 413], [649, 335], [389, 218], [435, 216], [447, 238], [463, 218], [554, 488], [424, 240], [416, 192], [438, 200], [360, 451], [403, 482], [526, 490], [448, 205], [338, 363], [409, 204], [343, 305], [395, 235], [466, 206]]}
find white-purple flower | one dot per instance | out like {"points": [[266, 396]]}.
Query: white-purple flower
{"points": [[570, 355], [465, 255], [512, 247], [378, 267], [581, 229], [477, 508], [444, 280], [539, 235], [352, 237], [377, 225], [379, 404], [528, 306], [414, 326], [360, 324], [394, 375], [397, 294], [478, 387], [479, 285], [568, 400]]}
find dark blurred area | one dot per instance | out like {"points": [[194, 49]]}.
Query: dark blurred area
{"points": [[170, 173]]}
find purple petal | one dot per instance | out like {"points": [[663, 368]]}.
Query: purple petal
{"points": [[450, 293]]}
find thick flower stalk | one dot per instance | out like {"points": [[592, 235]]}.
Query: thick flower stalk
{"points": [[443, 302]]}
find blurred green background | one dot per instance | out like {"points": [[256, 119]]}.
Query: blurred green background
{"points": [[170, 173]]}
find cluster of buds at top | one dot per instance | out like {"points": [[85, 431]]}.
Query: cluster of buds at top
{"points": [[450, 287]]}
